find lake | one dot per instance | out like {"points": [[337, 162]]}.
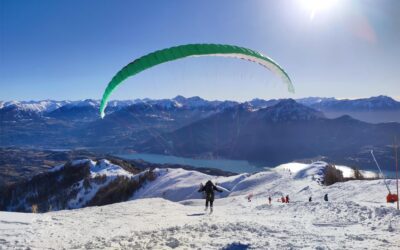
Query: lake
{"points": [[236, 166]]}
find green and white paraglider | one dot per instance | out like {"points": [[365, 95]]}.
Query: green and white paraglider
{"points": [[178, 52]]}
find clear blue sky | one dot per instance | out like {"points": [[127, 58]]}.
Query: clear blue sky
{"points": [[71, 49]]}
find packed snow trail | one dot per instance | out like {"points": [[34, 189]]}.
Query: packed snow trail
{"points": [[160, 224]]}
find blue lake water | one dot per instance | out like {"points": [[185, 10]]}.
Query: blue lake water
{"points": [[236, 166]]}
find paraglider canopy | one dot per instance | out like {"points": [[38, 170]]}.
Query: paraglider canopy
{"points": [[182, 51]]}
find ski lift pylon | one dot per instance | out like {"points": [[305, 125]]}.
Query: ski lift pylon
{"points": [[390, 198]]}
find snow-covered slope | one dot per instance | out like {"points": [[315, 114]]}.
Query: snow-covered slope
{"points": [[74, 185], [101, 169], [356, 216], [302, 170], [180, 184], [298, 180]]}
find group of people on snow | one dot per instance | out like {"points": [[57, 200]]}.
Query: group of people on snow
{"points": [[284, 199], [209, 190]]}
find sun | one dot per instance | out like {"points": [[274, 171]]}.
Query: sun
{"points": [[315, 6]]}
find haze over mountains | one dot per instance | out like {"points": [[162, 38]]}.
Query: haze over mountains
{"points": [[267, 131]]}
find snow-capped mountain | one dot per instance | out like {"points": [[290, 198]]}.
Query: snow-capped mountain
{"points": [[164, 104], [275, 110], [23, 110], [193, 129], [88, 107], [47, 106], [35, 106], [81, 111], [377, 103], [374, 109], [308, 101], [290, 110], [87, 110], [12, 113], [284, 132], [196, 102], [84, 103], [15, 110], [193, 103], [121, 103], [260, 103]]}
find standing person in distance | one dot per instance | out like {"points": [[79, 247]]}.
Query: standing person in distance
{"points": [[209, 189]]}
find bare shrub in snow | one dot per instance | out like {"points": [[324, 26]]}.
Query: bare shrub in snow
{"points": [[149, 175], [357, 174], [100, 179], [125, 165], [332, 175], [86, 183], [34, 208], [120, 189]]}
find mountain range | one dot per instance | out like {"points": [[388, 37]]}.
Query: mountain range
{"points": [[287, 131], [377, 103], [266, 131]]}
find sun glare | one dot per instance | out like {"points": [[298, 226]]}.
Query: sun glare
{"points": [[315, 6]]}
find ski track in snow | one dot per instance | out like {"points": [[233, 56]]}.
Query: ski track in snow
{"points": [[160, 224], [357, 217]]}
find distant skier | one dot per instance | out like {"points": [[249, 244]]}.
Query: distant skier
{"points": [[283, 199], [326, 197], [310, 199], [269, 200], [287, 198], [249, 197], [209, 189]]}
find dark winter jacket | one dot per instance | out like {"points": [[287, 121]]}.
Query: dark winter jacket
{"points": [[209, 188]]}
